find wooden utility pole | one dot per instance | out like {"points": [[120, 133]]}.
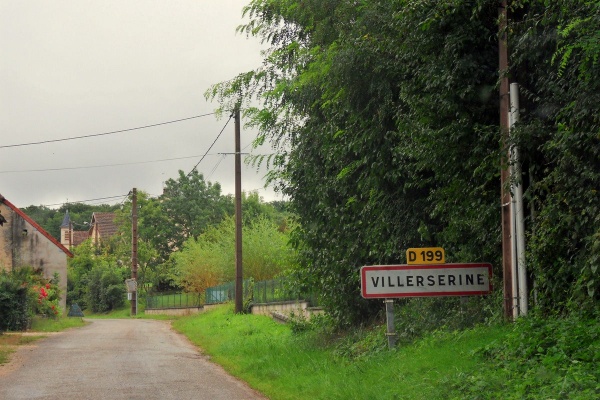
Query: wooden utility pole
{"points": [[134, 249], [505, 173], [239, 281]]}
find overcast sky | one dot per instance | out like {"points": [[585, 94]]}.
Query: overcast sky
{"points": [[73, 67]]}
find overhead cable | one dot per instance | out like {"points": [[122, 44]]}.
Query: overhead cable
{"points": [[105, 133], [83, 201], [211, 146]]}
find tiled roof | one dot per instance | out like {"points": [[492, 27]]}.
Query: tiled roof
{"points": [[35, 225], [80, 237], [105, 223]]}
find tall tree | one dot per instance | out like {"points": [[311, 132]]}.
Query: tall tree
{"points": [[386, 129], [190, 205]]}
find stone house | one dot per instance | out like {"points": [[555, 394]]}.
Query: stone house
{"points": [[24, 243]]}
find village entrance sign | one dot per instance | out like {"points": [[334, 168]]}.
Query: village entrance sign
{"points": [[425, 275]]}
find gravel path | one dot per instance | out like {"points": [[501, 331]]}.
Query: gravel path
{"points": [[117, 359]]}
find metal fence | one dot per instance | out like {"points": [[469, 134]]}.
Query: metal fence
{"points": [[273, 291], [173, 300]]}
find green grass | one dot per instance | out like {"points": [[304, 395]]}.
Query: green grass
{"points": [[284, 365], [55, 325]]}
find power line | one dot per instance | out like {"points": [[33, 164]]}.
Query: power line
{"points": [[101, 166], [106, 133], [211, 146], [83, 201]]}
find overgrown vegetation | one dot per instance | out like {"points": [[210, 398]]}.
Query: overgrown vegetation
{"points": [[384, 116], [96, 281], [208, 261], [185, 242], [24, 293], [494, 361]]}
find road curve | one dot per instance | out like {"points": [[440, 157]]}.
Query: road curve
{"points": [[117, 359]]}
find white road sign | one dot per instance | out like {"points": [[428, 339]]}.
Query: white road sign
{"points": [[389, 281]]}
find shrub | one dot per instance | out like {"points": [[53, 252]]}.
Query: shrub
{"points": [[106, 288], [13, 303], [24, 292]]}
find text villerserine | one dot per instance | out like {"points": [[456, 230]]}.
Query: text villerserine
{"points": [[428, 280]]}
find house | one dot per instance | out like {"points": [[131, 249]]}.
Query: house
{"points": [[24, 243], [102, 227]]}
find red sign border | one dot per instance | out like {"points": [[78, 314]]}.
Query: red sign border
{"points": [[421, 267]]}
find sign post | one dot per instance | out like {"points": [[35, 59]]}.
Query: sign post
{"points": [[391, 328]]}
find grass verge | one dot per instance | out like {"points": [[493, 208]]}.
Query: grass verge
{"points": [[284, 365]]}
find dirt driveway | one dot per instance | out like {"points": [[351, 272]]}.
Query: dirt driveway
{"points": [[117, 359]]}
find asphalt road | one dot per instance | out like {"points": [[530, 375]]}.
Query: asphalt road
{"points": [[117, 359]]}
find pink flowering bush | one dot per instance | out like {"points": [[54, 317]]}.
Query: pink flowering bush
{"points": [[44, 296]]}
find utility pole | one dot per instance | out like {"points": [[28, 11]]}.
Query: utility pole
{"points": [[239, 281], [134, 248], [505, 173]]}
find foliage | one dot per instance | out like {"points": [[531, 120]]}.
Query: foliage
{"points": [[50, 219], [191, 205], [386, 130], [540, 358], [24, 292], [14, 313], [96, 282], [355, 364], [359, 100], [210, 259], [106, 288], [559, 136], [151, 239]]}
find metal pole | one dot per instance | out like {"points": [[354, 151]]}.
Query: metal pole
{"points": [[391, 329], [238, 218], [134, 248], [504, 172], [519, 208]]}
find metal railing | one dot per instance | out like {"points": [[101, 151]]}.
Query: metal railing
{"points": [[272, 291], [173, 300]]}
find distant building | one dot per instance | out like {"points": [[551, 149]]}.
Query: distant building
{"points": [[102, 227], [23, 243]]}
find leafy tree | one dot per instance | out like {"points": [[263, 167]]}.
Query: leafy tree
{"points": [[385, 121], [210, 259], [386, 130], [190, 205], [106, 288]]}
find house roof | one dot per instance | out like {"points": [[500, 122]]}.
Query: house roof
{"points": [[35, 225], [80, 237], [104, 223]]}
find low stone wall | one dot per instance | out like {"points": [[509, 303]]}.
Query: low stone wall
{"points": [[174, 311], [282, 310]]}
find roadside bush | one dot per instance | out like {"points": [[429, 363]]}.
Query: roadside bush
{"points": [[106, 288], [24, 292], [13, 303], [543, 357]]}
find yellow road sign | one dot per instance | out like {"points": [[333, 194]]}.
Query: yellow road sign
{"points": [[425, 255]]}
